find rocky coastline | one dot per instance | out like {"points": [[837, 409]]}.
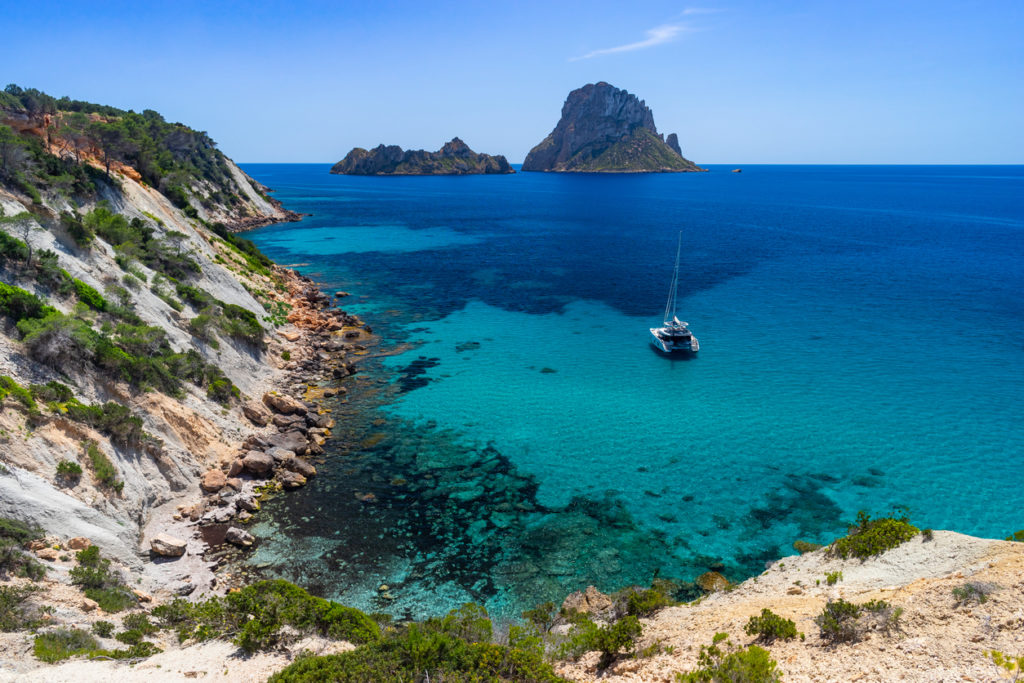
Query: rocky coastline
{"points": [[287, 426]]}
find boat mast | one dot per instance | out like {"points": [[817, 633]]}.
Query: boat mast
{"points": [[670, 306]]}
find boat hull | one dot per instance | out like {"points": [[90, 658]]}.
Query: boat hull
{"points": [[687, 346]]}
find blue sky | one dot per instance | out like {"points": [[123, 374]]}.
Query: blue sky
{"points": [[801, 81]]}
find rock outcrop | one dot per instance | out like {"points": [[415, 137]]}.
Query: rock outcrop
{"points": [[607, 130], [455, 158]]}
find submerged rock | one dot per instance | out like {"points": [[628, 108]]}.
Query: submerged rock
{"points": [[239, 537], [710, 582]]}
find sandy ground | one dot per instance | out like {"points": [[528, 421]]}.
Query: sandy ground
{"points": [[217, 660], [939, 640]]}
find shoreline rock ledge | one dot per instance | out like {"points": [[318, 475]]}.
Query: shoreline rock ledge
{"points": [[454, 158], [604, 129]]}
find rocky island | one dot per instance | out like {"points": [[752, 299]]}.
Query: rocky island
{"points": [[455, 158], [604, 129]]}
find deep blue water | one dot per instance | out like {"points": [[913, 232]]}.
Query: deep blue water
{"points": [[862, 339]]}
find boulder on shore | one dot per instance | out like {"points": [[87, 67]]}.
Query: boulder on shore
{"points": [[213, 481], [294, 441], [167, 545], [257, 462], [285, 405], [256, 414]]}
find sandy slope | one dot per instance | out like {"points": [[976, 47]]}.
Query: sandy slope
{"points": [[940, 641]]}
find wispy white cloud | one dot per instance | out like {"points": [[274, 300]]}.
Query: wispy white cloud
{"points": [[658, 35]]}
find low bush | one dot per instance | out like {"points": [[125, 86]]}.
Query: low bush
{"points": [[8, 387], [67, 469], [14, 535], [102, 467], [803, 547], [1017, 536], [542, 616], [832, 578], [17, 613], [63, 643], [873, 536], [770, 626], [616, 639], [256, 614], [846, 622], [103, 629], [975, 592], [646, 602], [838, 621], [722, 662], [18, 305], [18, 531], [89, 296], [99, 582]]}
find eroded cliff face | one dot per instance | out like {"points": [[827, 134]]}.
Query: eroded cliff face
{"points": [[606, 129], [454, 158], [191, 431]]}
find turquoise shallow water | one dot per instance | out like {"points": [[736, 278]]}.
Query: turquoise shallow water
{"points": [[861, 333]]}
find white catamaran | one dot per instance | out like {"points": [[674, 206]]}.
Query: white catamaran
{"points": [[675, 336]]}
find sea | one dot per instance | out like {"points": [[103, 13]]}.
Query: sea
{"points": [[512, 436]]}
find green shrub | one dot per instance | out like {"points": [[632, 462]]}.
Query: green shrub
{"points": [[838, 621], [615, 638], [646, 602], [130, 637], [63, 643], [139, 621], [103, 629], [80, 233], [19, 305], [99, 582], [286, 355], [102, 467], [770, 626], [16, 611], [927, 535], [68, 469], [14, 535], [414, 654], [727, 664], [973, 592], [542, 616], [806, 547], [89, 296], [18, 531], [52, 392], [1017, 536], [8, 387], [832, 578], [58, 340], [257, 612], [873, 536]]}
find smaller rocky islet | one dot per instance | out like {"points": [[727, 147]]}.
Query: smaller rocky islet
{"points": [[454, 158]]}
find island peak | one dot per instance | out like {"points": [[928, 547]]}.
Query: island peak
{"points": [[604, 129]]}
